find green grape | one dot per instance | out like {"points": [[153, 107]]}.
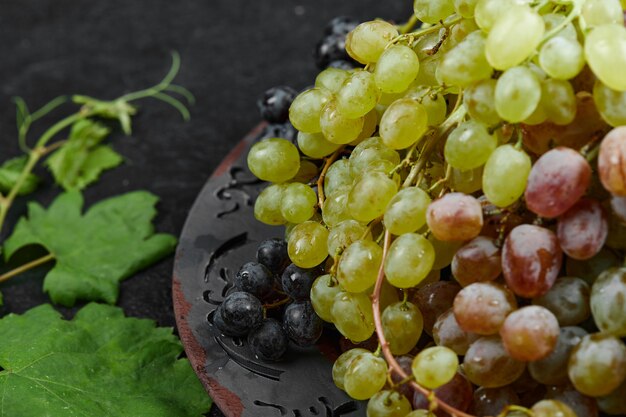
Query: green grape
{"points": [[466, 63], [396, 69], [369, 151], [388, 403], [336, 127], [435, 104], [368, 40], [298, 203], [444, 251], [358, 266], [331, 79], [315, 145], [403, 124], [323, 292], [562, 58], [488, 12], [611, 104], [388, 294], [406, 211], [410, 259], [432, 11], [342, 363], [559, 101], [467, 182], [427, 73], [370, 195], [274, 159], [402, 325], [336, 208], [306, 109], [358, 95], [607, 301], [458, 32], [420, 413], [465, 7], [553, 20], [605, 51], [435, 366], [344, 234], [552, 408], [353, 316], [338, 177], [424, 45], [365, 376], [518, 92], [602, 12], [370, 125], [505, 175], [267, 205], [479, 100], [539, 115], [597, 364], [514, 37], [307, 172], [469, 146], [307, 244]]}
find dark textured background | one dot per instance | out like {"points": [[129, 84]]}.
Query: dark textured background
{"points": [[232, 50]]}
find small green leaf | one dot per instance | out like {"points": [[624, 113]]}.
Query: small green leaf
{"points": [[100, 364], [95, 251], [10, 172], [81, 160]]}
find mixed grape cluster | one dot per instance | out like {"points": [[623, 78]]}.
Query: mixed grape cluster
{"points": [[464, 188], [269, 327]]}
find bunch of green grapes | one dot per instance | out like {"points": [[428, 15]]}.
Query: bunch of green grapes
{"points": [[468, 180]]}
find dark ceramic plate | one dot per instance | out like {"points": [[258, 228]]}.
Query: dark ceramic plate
{"points": [[220, 234]]}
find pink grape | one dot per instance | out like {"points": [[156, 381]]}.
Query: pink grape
{"points": [[531, 260], [557, 181], [530, 333], [612, 161], [482, 307], [455, 217], [583, 229]]}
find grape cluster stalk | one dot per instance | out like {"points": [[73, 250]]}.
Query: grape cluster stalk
{"points": [[458, 182]]}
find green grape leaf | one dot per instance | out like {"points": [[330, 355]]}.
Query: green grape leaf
{"points": [[95, 251], [100, 364], [80, 161], [10, 172]]}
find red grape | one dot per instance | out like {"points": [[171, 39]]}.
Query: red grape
{"points": [[612, 161], [557, 181], [477, 261], [583, 229], [531, 260]]}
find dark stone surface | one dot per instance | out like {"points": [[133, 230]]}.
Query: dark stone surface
{"points": [[232, 50]]}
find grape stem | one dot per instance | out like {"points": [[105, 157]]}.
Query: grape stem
{"points": [[320, 180], [26, 267], [408, 26], [455, 118], [384, 345], [578, 5]]}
